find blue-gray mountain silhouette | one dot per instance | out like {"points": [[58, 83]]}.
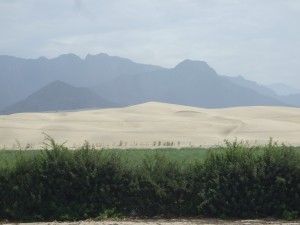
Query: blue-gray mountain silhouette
{"points": [[58, 96], [283, 89], [21, 77], [261, 89], [125, 82], [191, 83], [293, 99]]}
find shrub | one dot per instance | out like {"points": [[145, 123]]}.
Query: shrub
{"points": [[238, 180], [230, 182]]}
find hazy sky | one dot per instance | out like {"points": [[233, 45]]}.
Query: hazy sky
{"points": [[259, 39]]}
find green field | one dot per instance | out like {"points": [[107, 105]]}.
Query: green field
{"points": [[134, 156]]}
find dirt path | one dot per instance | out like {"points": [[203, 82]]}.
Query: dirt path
{"points": [[166, 222]]}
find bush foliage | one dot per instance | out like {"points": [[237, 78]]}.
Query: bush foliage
{"points": [[239, 181]]}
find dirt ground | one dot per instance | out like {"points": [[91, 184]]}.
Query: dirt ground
{"points": [[166, 222]]}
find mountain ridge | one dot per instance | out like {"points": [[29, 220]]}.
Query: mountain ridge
{"points": [[20, 77], [58, 96], [192, 83], [124, 82]]}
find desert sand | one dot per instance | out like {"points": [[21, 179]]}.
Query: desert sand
{"points": [[152, 125]]}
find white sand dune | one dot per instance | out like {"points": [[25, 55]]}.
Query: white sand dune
{"points": [[152, 124]]}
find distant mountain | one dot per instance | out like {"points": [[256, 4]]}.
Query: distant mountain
{"points": [[58, 96], [21, 77], [293, 99], [124, 82], [283, 89], [282, 94], [191, 83], [261, 89], [5, 98]]}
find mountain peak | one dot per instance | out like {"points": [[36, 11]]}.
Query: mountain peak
{"points": [[100, 55], [69, 56], [194, 66], [42, 58], [189, 62], [58, 83], [58, 96]]}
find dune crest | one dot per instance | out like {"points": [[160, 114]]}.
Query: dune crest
{"points": [[152, 124]]}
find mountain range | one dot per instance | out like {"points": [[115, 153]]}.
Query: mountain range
{"points": [[68, 82], [192, 83], [283, 89], [21, 77]]}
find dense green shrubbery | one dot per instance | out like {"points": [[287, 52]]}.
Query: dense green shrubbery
{"points": [[237, 181]]}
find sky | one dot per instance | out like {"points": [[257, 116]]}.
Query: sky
{"points": [[258, 39]]}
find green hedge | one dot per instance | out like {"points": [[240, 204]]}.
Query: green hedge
{"points": [[239, 181]]}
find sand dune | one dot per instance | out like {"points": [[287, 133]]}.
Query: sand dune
{"points": [[152, 124]]}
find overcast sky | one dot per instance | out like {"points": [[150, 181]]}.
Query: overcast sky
{"points": [[258, 39]]}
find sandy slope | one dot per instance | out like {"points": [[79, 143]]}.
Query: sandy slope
{"points": [[148, 124]]}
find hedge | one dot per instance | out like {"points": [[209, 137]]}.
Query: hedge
{"points": [[239, 181]]}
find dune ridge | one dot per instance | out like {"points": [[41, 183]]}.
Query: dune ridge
{"points": [[152, 124]]}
